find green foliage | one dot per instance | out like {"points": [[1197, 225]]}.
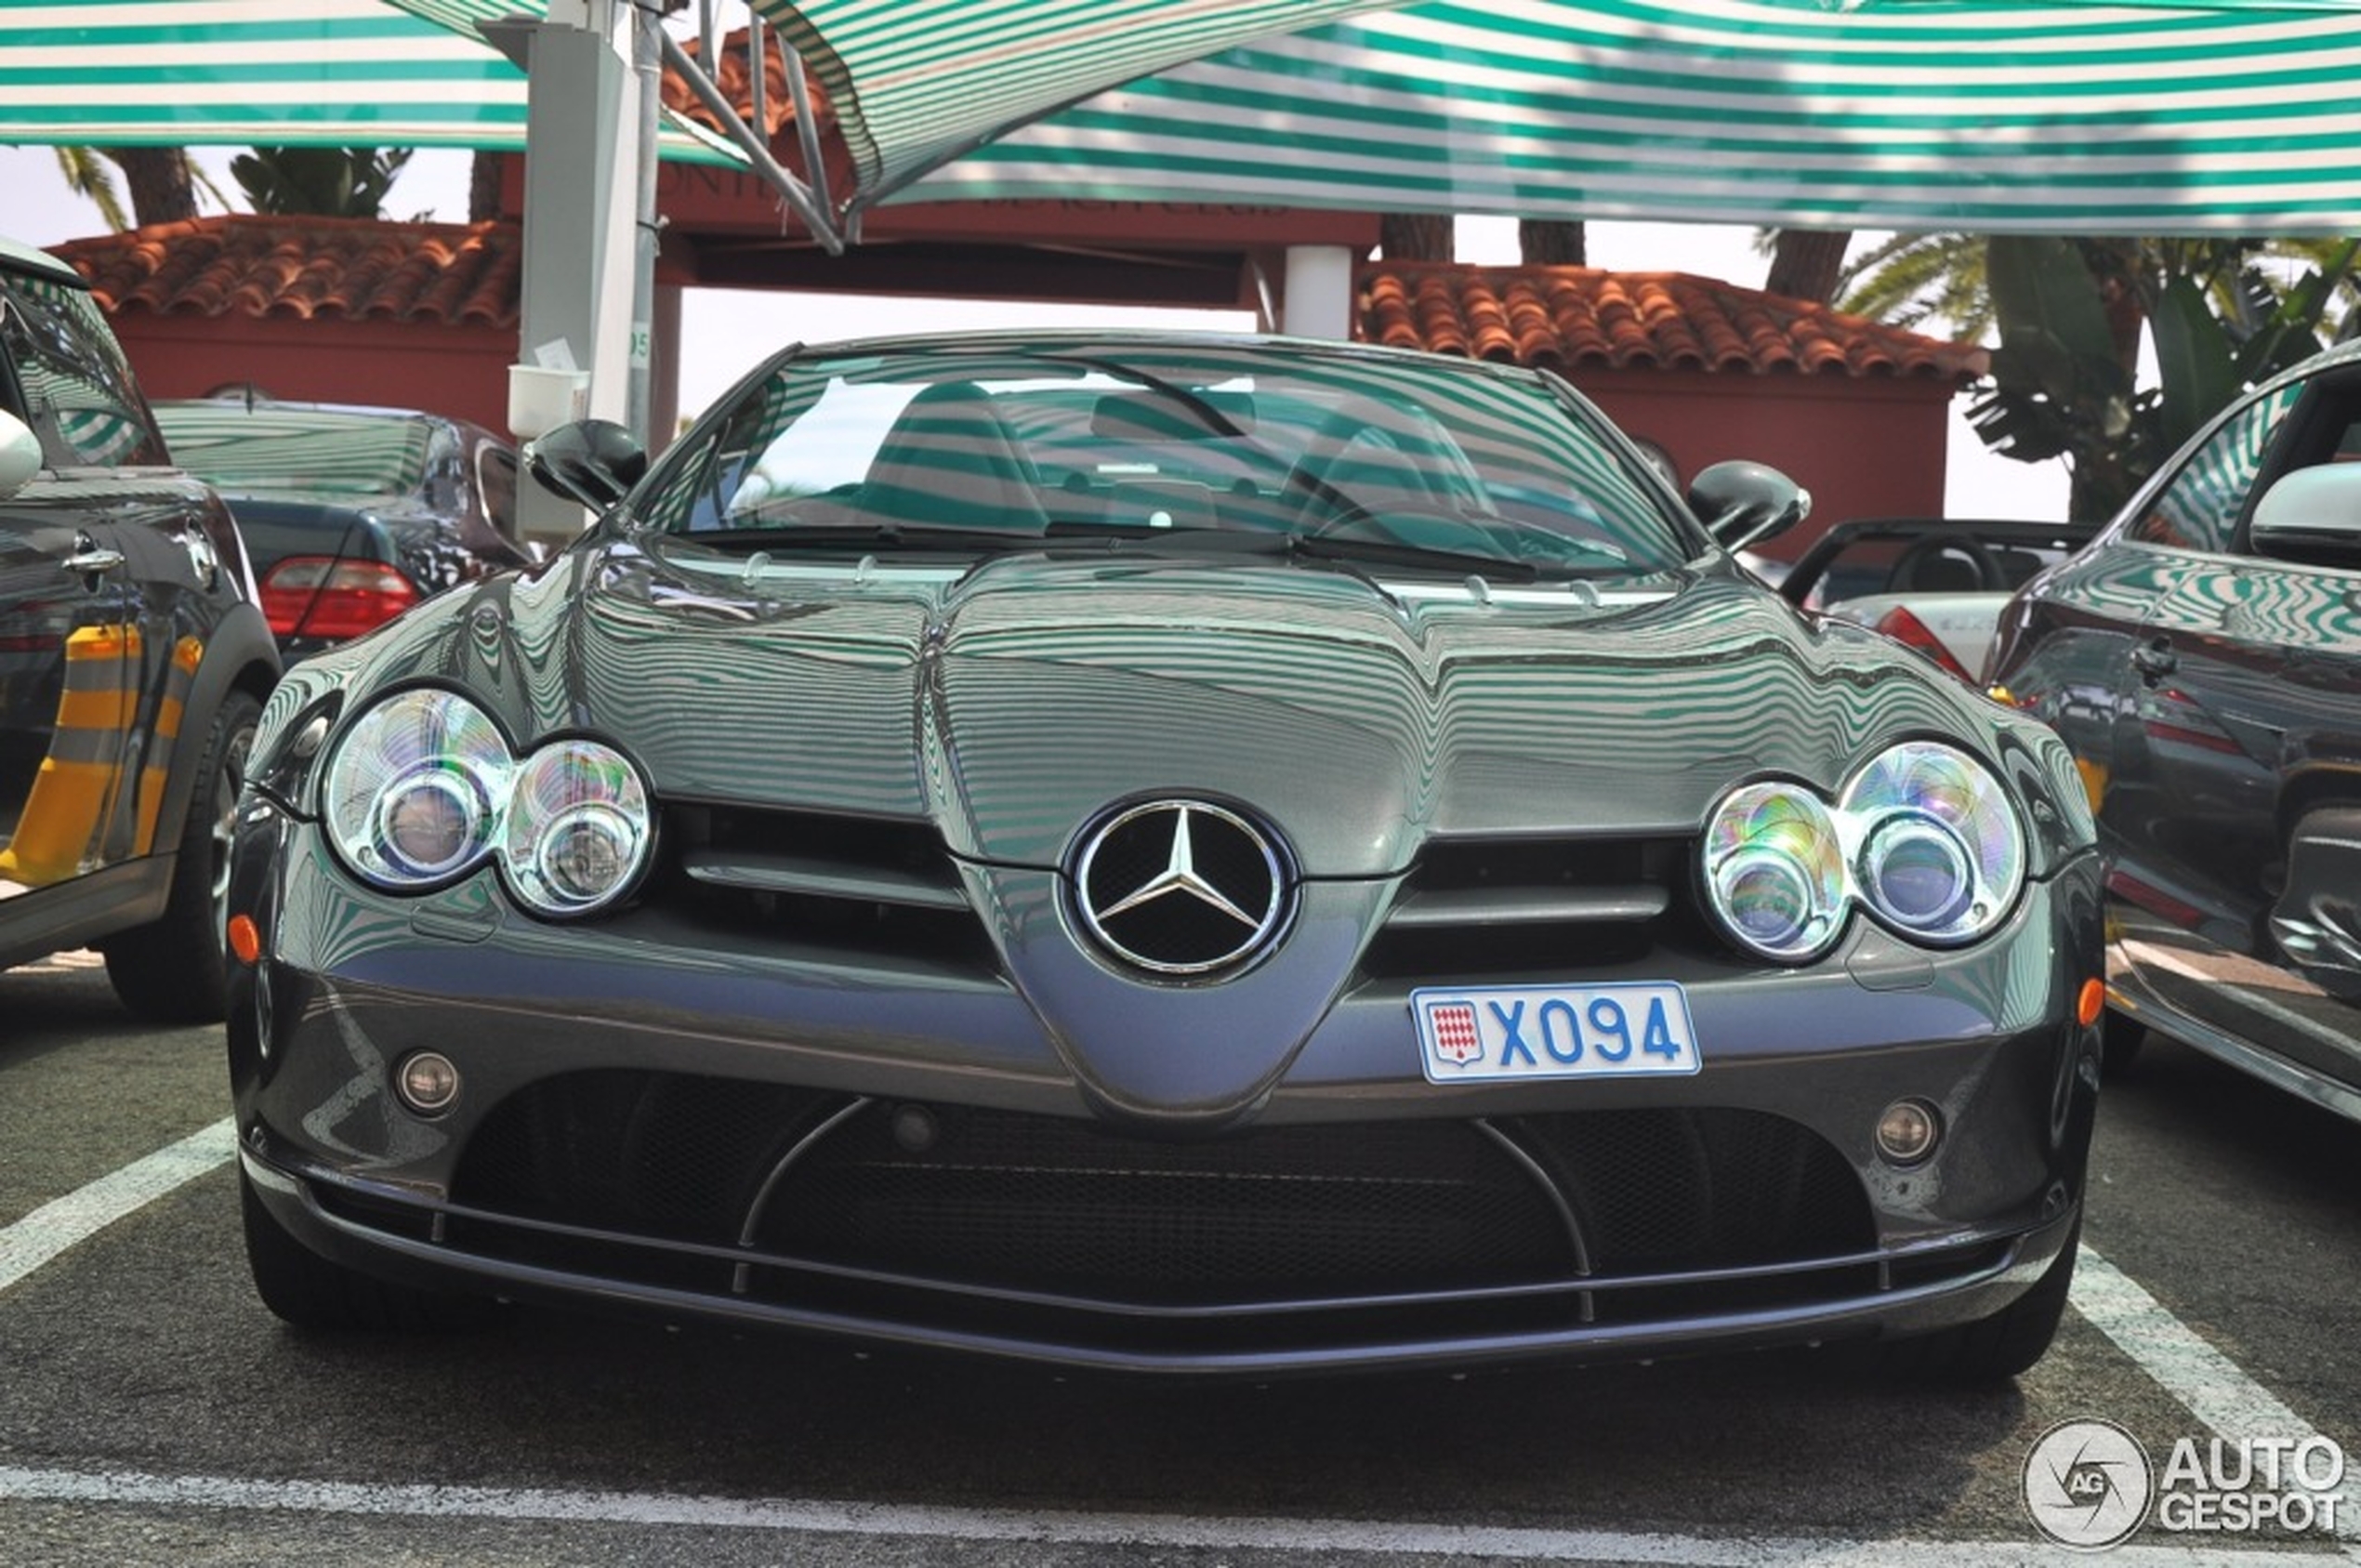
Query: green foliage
{"points": [[1922, 281], [90, 174], [318, 181], [2220, 313]]}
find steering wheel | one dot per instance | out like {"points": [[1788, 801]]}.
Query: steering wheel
{"points": [[1990, 576]]}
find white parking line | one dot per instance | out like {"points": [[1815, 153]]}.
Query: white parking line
{"points": [[1295, 1537], [84, 1212], [2209, 1383], [2204, 1380]]}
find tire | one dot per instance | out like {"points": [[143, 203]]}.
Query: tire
{"points": [[2119, 1042], [309, 1292], [1992, 1349], [175, 970]]}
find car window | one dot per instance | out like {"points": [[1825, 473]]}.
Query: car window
{"points": [[496, 487], [2198, 510], [260, 448], [80, 397], [1082, 439], [2324, 426]]}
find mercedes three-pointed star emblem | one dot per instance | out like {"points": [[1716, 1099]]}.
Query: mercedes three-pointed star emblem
{"points": [[1179, 887]]}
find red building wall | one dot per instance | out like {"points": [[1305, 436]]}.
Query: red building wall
{"points": [[458, 370], [1870, 446]]}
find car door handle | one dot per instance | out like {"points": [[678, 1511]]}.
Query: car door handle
{"points": [[2154, 661], [93, 562]]}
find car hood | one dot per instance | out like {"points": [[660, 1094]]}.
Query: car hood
{"points": [[1013, 702]]}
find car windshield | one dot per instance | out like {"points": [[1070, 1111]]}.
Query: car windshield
{"points": [[262, 449], [1398, 461]]}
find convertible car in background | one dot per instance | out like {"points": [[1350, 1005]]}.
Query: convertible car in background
{"points": [[1169, 853], [2203, 660], [353, 515], [1937, 584]]}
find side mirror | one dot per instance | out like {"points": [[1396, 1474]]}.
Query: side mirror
{"points": [[20, 454], [2311, 516], [593, 461], [1743, 502]]}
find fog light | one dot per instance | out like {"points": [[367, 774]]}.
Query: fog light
{"points": [[1908, 1131], [428, 1083]]}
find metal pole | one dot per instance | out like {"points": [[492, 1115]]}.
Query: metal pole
{"points": [[647, 55]]}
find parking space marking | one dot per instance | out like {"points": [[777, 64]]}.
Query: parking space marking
{"points": [[81, 1214], [2208, 1384], [1303, 1537]]}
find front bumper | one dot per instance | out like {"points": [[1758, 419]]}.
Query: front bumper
{"points": [[903, 1153]]}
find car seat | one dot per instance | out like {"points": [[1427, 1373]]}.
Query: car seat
{"points": [[951, 461]]}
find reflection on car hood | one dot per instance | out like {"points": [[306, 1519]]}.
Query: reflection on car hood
{"points": [[1014, 702]]}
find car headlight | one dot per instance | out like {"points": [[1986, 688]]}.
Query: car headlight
{"points": [[423, 789], [1775, 869], [1942, 855], [577, 827], [1924, 838]]}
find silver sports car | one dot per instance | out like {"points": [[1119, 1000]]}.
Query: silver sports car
{"points": [[1175, 853]]}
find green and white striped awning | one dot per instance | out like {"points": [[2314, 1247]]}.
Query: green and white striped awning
{"points": [[1988, 115], [2217, 115], [300, 73]]}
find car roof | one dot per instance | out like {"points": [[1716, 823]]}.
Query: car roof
{"points": [[2336, 354], [320, 416], [21, 258]]}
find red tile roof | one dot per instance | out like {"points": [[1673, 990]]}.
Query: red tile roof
{"points": [[358, 269], [1565, 317], [1561, 317]]}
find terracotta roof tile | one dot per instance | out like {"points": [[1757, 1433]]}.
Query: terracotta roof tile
{"points": [[736, 84], [1569, 317], [254, 265]]}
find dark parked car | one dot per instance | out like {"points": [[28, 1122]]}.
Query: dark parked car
{"points": [[351, 515], [1166, 853], [133, 663], [2203, 658], [1936, 584]]}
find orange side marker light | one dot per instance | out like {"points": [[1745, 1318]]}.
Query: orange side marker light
{"points": [[2092, 1003], [246, 940]]}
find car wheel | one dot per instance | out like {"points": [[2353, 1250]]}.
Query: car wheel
{"points": [[1995, 1349], [2119, 1042], [174, 970], [309, 1291]]}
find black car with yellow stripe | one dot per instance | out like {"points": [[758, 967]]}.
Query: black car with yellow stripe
{"points": [[133, 661]]}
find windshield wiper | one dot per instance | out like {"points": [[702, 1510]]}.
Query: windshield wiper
{"points": [[887, 536], [1336, 549], [1378, 552]]}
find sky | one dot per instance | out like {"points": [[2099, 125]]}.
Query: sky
{"points": [[725, 331]]}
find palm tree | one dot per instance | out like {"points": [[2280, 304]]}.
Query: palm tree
{"points": [[1913, 279], [1416, 236], [1552, 243], [162, 182], [1808, 263]]}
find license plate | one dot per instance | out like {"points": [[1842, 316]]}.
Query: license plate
{"points": [[1494, 1032]]}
